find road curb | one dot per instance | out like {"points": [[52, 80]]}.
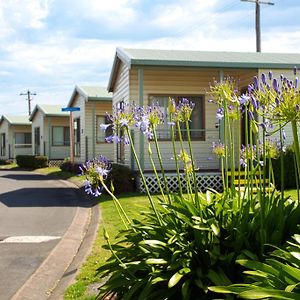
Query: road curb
{"points": [[47, 277]]}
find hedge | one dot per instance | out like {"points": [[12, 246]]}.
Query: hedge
{"points": [[32, 161]]}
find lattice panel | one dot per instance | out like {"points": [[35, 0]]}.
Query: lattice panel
{"points": [[55, 163], [204, 181]]}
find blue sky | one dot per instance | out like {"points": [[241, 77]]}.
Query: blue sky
{"points": [[49, 46]]}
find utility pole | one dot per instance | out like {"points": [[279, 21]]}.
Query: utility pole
{"points": [[257, 20], [28, 94]]}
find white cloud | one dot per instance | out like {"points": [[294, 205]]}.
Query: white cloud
{"points": [[111, 13], [24, 13]]}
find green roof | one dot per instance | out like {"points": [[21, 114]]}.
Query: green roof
{"points": [[208, 58], [202, 59], [91, 93], [49, 110], [16, 120]]}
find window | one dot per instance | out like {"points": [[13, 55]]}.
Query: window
{"points": [[101, 134], [197, 127], [23, 139], [60, 136], [2, 144], [76, 134]]}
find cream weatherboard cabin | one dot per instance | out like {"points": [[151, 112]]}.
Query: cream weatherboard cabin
{"points": [[15, 136], [89, 140], [144, 76], [50, 131]]}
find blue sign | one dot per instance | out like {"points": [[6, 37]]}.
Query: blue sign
{"points": [[70, 108]]}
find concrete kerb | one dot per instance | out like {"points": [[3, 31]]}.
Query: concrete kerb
{"points": [[47, 278]]}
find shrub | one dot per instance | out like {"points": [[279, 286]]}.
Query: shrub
{"points": [[122, 179], [31, 161], [4, 162], [289, 170], [276, 278], [68, 166], [40, 162], [194, 246]]}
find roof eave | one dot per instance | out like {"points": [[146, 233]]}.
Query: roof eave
{"points": [[230, 65], [120, 55]]}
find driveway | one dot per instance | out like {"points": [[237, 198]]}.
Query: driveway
{"points": [[35, 213]]}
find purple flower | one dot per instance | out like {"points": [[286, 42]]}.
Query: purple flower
{"points": [[171, 123], [263, 78], [104, 126], [254, 102], [243, 99], [275, 85], [296, 82], [263, 126], [255, 83], [126, 140], [270, 75], [251, 115], [113, 139], [295, 70], [103, 172], [220, 114], [283, 134]]}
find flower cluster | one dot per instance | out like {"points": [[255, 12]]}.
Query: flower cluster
{"points": [[278, 99], [95, 171], [250, 154], [218, 149]]}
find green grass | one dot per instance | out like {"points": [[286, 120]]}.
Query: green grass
{"points": [[133, 204]]}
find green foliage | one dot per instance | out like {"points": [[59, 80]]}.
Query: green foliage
{"points": [[194, 246], [31, 161], [68, 166], [289, 169], [122, 179], [277, 278]]}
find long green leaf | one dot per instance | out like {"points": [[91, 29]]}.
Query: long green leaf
{"points": [[269, 293]]}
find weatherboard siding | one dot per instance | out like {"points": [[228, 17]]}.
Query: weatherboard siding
{"points": [[38, 121], [55, 152], [4, 128], [170, 81], [92, 110]]}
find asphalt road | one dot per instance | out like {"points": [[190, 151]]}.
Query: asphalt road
{"points": [[34, 214]]}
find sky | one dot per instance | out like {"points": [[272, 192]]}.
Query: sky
{"points": [[49, 46]]}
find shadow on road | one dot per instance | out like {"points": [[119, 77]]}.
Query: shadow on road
{"points": [[47, 197], [26, 177]]}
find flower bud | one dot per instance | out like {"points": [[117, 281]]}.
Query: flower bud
{"points": [[270, 75], [295, 70], [263, 78]]}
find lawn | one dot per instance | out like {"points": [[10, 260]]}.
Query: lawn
{"points": [[133, 205]]}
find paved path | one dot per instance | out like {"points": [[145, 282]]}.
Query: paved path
{"points": [[35, 216]]}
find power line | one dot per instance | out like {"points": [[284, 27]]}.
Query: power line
{"points": [[257, 20], [29, 98]]}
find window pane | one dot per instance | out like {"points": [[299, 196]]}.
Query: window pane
{"points": [[102, 134], [163, 130], [20, 138], [58, 136], [197, 130], [67, 136]]}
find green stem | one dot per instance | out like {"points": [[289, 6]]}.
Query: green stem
{"points": [[117, 204], [155, 172], [161, 164], [188, 182], [281, 166], [142, 176], [193, 163], [175, 157], [296, 145]]}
